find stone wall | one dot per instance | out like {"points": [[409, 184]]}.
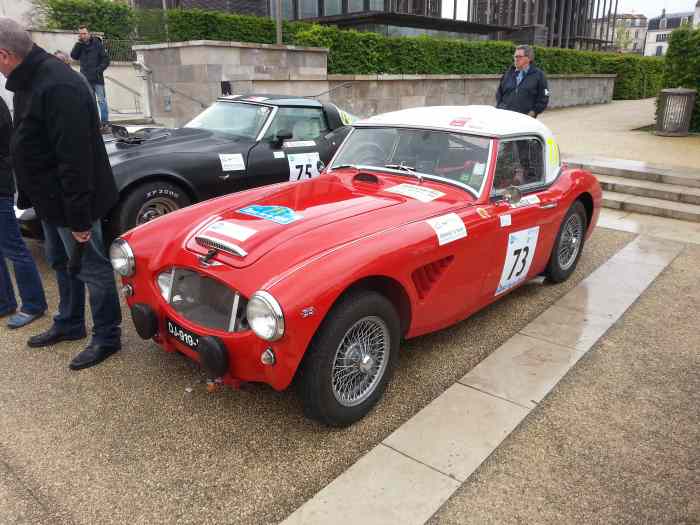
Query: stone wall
{"points": [[187, 76]]}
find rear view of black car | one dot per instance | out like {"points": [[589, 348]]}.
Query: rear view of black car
{"points": [[238, 142]]}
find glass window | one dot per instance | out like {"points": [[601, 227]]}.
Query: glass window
{"points": [[441, 155], [356, 5], [302, 123], [376, 5], [332, 7], [520, 163], [308, 8], [287, 9], [232, 118]]}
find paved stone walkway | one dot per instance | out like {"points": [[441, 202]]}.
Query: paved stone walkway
{"points": [[610, 130]]}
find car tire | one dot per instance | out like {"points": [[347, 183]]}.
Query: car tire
{"points": [[145, 202], [339, 381], [568, 245]]}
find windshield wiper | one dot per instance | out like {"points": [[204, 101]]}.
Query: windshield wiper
{"points": [[340, 166], [407, 169]]}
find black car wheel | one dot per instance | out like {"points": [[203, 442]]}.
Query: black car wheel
{"points": [[146, 202], [351, 359], [568, 244]]}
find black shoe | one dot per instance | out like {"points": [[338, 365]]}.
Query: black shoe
{"points": [[51, 337], [91, 356]]}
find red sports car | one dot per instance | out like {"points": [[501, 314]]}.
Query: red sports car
{"points": [[423, 217]]}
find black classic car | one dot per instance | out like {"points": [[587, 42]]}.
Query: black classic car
{"points": [[239, 142]]}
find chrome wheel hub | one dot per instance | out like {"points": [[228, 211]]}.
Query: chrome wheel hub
{"points": [[154, 208]]}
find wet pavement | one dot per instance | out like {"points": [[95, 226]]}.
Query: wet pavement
{"points": [[127, 442]]}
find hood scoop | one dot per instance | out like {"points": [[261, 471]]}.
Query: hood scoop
{"points": [[213, 243], [366, 177]]}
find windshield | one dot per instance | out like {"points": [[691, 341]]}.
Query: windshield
{"points": [[232, 118], [438, 154]]}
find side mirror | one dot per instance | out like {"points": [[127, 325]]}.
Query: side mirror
{"points": [[512, 194], [282, 135]]}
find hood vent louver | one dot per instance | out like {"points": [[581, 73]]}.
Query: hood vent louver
{"points": [[366, 177], [426, 276], [218, 244]]}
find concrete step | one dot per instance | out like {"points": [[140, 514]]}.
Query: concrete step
{"points": [[655, 190], [631, 169], [651, 206]]}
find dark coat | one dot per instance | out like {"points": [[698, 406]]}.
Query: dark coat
{"points": [[93, 59], [7, 181], [58, 154], [531, 95]]}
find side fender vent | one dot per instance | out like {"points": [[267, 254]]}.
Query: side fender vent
{"points": [[426, 276]]}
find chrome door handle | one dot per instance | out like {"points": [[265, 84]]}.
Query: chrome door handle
{"points": [[548, 205], [225, 177]]}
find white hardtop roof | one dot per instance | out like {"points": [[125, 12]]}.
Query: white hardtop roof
{"points": [[478, 120]]}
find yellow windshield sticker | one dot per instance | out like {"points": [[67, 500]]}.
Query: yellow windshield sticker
{"points": [[553, 152]]}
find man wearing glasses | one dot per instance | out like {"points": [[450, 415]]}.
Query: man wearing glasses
{"points": [[523, 88]]}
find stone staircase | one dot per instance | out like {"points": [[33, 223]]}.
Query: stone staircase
{"points": [[642, 188]]}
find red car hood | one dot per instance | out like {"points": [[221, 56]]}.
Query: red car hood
{"points": [[302, 219]]}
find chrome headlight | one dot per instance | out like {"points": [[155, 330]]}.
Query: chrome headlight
{"points": [[265, 316], [122, 258]]}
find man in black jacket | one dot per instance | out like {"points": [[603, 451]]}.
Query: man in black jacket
{"points": [[12, 245], [93, 62], [523, 88], [62, 167]]}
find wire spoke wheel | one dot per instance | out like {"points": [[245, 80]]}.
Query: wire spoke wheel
{"points": [[360, 360], [571, 240]]}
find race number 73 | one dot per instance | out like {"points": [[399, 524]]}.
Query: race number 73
{"points": [[520, 251]]}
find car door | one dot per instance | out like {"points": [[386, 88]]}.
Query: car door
{"points": [[522, 241], [299, 156]]}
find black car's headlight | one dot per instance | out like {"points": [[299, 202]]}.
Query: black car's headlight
{"points": [[122, 258], [265, 316]]}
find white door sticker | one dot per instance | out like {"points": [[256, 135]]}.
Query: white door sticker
{"points": [[231, 162], [505, 220], [448, 228], [526, 201], [231, 230], [278, 154], [303, 165], [519, 255], [416, 192], [299, 144]]}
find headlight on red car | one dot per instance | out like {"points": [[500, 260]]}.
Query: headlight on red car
{"points": [[265, 316], [122, 258]]}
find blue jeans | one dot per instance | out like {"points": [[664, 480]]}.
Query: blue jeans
{"points": [[96, 273], [101, 102], [12, 247]]}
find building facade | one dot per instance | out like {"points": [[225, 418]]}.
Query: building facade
{"points": [[556, 23], [660, 29], [629, 36]]}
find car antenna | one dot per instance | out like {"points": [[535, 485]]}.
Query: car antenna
{"points": [[344, 84]]}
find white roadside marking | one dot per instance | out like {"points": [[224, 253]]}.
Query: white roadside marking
{"points": [[409, 476]]}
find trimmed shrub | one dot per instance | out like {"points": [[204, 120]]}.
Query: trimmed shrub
{"points": [[201, 24], [352, 52], [682, 66], [114, 19]]}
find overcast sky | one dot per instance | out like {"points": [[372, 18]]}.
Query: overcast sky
{"points": [[652, 8]]}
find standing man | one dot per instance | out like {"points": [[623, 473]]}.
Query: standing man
{"points": [[12, 245], [62, 167], [93, 62], [523, 88]]}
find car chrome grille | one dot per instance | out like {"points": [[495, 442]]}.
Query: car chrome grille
{"points": [[217, 244], [207, 302]]}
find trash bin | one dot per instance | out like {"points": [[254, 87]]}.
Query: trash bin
{"points": [[675, 109]]}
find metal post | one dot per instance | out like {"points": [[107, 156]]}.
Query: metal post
{"points": [[614, 21], [553, 21], [278, 21], [544, 17], [454, 15], [165, 20], [607, 22], [561, 23], [577, 17]]}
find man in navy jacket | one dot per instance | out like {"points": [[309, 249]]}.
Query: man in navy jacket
{"points": [[523, 88], [91, 54]]}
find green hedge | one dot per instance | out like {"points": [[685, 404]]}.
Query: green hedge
{"points": [[200, 24], [352, 52], [114, 19], [682, 66]]}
